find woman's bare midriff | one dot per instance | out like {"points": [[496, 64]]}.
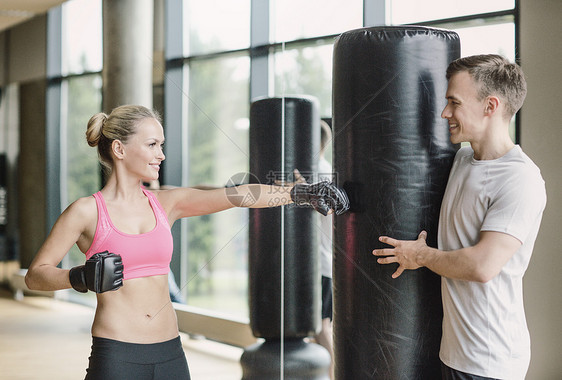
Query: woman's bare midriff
{"points": [[138, 312]]}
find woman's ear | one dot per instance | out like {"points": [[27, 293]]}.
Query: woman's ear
{"points": [[118, 149]]}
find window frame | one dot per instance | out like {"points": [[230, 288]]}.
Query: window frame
{"points": [[175, 113]]}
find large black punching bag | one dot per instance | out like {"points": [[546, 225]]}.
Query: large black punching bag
{"points": [[392, 154], [284, 135]]}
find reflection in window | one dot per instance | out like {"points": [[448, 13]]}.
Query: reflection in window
{"points": [[297, 19], [82, 36], [409, 11], [82, 174], [218, 103], [306, 70], [216, 25], [218, 138]]}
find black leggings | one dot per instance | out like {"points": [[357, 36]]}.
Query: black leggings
{"points": [[115, 360], [326, 297]]}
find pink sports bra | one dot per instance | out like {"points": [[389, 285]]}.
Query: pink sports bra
{"points": [[143, 255]]}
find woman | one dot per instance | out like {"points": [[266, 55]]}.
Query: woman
{"points": [[124, 231]]}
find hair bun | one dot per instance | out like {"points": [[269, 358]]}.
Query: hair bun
{"points": [[95, 128]]}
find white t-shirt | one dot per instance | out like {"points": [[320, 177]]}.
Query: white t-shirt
{"points": [[325, 224], [484, 328]]}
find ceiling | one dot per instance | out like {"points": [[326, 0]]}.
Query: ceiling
{"points": [[13, 12]]}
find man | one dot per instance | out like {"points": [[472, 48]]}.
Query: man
{"points": [[324, 337], [489, 220]]}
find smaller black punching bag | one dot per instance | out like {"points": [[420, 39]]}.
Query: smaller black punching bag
{"points": [[284, 135]]}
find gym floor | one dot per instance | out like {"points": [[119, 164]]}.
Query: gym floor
{"points": [[44, 338]]}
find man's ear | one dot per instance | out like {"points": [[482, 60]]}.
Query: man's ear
{"points": [[492, 104], [118, 149]]}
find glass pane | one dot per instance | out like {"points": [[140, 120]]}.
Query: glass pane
{"points": [[296, 19], [306, 70], [215, 25], [82, 175], [407, 11], [82, 36], [218, 128], [490, 39], [498, 39]]}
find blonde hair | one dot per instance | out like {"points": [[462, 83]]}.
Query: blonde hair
{"points": [[120, 125]]}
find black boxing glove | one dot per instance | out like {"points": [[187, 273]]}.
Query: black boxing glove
{"points": [[322, 196], [101, 272]]}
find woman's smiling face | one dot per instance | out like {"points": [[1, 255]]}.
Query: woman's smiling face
{"points": [[144, 150]]}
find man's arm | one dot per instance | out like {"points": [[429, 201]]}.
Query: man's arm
{"points": [[480, 263]]}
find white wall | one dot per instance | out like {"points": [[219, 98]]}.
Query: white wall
{"points": [[541, 139]]}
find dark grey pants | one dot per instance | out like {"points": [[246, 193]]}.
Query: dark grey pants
{"points": [[448, 373], [115, 360]]}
